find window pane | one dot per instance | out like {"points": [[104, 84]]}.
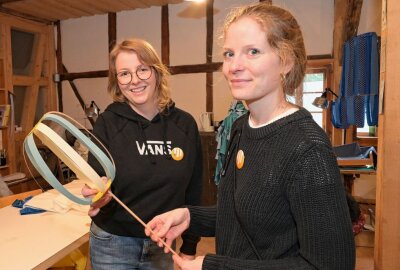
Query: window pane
{"points": [[313, 82], [365, 128], [317, 118], [22, 44]]}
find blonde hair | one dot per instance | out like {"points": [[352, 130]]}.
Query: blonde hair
{"points": [[283, 34], [148, 56]]}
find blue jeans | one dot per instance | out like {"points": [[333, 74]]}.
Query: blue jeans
{"points": [[113, 252]]}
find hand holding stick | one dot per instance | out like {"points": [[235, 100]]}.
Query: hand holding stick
{"points": [[141, 222]]}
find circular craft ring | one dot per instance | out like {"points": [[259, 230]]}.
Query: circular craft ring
{"points": [[69, 156]]}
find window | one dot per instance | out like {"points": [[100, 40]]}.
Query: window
{"points": [[317, 78], [313, 87]]}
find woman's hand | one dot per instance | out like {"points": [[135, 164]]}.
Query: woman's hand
{"points": [[187, 257], [183, 264], [168, 226], [90, 192]]}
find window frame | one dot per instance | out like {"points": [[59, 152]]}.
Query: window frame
{"points": [[324, 66]]}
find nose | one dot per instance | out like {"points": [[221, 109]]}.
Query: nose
{"points": [[135, 78], [236, 64]]}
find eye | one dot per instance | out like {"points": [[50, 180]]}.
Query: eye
{"points": [[124, 73], [227, 54], [143, 68], [254, 51]]}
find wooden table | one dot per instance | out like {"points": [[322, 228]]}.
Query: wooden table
{"points": [[37, 241]]}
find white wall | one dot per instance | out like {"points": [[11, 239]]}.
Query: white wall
{"points": [[85, 48]]}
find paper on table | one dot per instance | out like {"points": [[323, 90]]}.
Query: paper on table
{"points": [[53, 201]]}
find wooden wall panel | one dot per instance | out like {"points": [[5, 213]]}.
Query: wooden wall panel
{"points": [[387, 235]]}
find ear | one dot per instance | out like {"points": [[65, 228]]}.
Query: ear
{"points": [[287, 65]]}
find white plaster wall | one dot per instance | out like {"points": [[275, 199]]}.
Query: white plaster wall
{"points": [[316, 21], [370, 19], [85, 48]]}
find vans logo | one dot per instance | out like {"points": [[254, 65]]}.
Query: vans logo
{"points": [[155, 148]]}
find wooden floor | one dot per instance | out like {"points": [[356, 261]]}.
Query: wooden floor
{"points": [[364, 260]]}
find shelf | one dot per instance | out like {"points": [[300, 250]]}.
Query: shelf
{"points": [[355, 171], [364, 200], [358, 162]]}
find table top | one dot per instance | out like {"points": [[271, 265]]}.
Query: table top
{"points": [[37, 241]]}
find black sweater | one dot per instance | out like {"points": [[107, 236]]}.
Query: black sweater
{"points": [[288, 196], [147, 179]]}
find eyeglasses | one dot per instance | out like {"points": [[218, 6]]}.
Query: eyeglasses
{"points": [[143, 72]]}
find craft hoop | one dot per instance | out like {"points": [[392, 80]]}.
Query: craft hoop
{"points": [[66, 154]]}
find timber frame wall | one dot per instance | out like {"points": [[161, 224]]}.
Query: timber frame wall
{"points": [[38, 80], [208, 67]]}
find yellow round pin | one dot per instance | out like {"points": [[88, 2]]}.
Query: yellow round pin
{"points": [[177, 154], [240, 159]]}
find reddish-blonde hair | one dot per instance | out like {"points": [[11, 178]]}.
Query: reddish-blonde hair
{"points": [[283, 34], [148, 56]]}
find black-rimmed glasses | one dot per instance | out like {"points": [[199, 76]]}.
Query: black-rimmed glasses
{"points": [[143, 72]]}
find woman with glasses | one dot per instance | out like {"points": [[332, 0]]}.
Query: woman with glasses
{"points": [[281, 203], [157, 152]]}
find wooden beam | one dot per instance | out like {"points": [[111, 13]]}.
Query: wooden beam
{"points": [[165, 45], [112, 30], [59, 67], [8, 1], [49, 70], [184, 69], [83, 75], [352, 21], [23, 15], [387, 230], [32, 92], [29, 80], [78, 95], [201, 68], [319, 56], [347, 18], [209, 53]]}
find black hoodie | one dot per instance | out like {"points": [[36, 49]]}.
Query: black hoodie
{"points": [[147, 179]]}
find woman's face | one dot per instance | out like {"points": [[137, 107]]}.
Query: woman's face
{"points": [[140, 93], [251, 67]]}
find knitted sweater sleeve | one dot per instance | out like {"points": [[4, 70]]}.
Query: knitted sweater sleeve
{"points": [[193, 197], [202, 220], [318, 204]]}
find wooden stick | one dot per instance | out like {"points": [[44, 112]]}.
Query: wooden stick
{"points": [[141, 222]]}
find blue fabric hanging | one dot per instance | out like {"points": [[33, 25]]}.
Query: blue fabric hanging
{"points": [[359, 84]]}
